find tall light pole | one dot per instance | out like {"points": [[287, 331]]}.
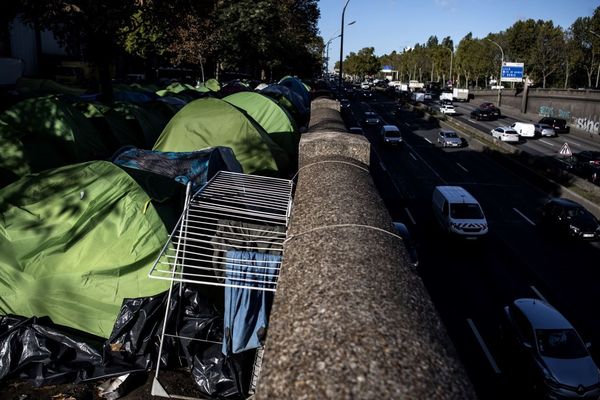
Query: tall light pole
{"points": [[598, 74], [342, 47], [451, 57], [499, 83], [327, 51]]}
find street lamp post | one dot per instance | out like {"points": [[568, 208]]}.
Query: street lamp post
{"points": [[327, 51], [342, 47], [499, 83]]}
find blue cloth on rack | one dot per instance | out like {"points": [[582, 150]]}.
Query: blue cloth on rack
{"points": [[247, 310]]}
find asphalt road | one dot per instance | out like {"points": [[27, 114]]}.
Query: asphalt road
{"points": [[470, 282]]}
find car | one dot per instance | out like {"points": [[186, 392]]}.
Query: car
{"points": [[544, 130], [560, 125], [446, 101], [449, 138], [366, 94], [505, 134], [404, 233], [480, 114], [548, 351], [447, 109], [365, 86], [371, 118], [344, 103], [569, 218], [357, 130], [587, 164], [390, 134], [490, 107]]}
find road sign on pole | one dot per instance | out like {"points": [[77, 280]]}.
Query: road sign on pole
{"points": [[512, 72], [565, 150]]}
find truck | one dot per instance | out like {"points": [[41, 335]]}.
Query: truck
{"points": [[446, 96], [460, 94], [414, 85]]}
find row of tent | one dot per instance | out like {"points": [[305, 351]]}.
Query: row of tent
{"points": [[89, 193]]}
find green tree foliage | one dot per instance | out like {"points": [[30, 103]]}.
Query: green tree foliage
{"points": [[362, 63]]}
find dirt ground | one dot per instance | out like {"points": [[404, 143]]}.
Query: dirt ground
{"points": [[176, 382]]}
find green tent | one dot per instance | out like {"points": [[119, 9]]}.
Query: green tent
{"points": [[53, 133], [211, 85], [38, 87], [76, 241], [210, 122], [271, 117]]}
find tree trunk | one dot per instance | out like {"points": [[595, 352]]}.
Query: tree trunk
{"points": [[543, 81], [567, 75], [477, 81]]}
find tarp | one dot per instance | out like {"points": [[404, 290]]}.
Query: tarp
{"points": [[210, 122], [76, 241], [292, 102], [272, 117], [53, 133]]}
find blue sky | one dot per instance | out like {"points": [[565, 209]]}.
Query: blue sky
{"points": [[390, 25]]}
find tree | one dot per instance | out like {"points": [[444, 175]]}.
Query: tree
{"points": [[547, 50]]}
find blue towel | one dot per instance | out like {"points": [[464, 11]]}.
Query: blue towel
{"points": [[247, 310]]}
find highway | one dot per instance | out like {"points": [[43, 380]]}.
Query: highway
{"points": [[470, 282]]}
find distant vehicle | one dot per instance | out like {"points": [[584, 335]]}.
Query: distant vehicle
{"points": [[365, 86], [545, 130], [505, 134], [571, 219], [490, 107], [356, 130], [458, 212], [414, 85], [371, 118], [524, 129], [418, 97], [428, 96], [366, 94], [447, 109], [446, 96], [449, 138], [403, 87], [404, 233], [560, 125], [480, 114], [549, 351], [345, 103], [460, 94], [587, 164], [390, 134]]}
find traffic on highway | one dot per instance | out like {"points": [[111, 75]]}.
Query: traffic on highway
{"points": [[510, 262]]}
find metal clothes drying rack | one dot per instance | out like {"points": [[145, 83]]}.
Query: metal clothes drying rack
{"points": [[232, 212]]}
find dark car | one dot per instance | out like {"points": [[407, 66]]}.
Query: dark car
{"points": [[571, 219], [491, 108], [480, 114], [560, 125], [548, 351], [585, 164], [345, 103]]}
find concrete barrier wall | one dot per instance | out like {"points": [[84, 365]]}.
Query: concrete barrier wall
{"points": [[351, 318], [580, 107]]}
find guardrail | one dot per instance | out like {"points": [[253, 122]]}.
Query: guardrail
{"points": [[351, 318]]}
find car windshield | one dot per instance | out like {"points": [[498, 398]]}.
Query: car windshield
{"points": [[392, 134], [560, 343], [449, 135], [369, 114], [577, 212], [465, 211]]}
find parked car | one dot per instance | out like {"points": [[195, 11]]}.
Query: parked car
{"points": [[587, 165], [390, 134], [545, 130], [490, 107], [505, 134], [371, 118], [549, 351], [404, 233], [571, 219], [480, 114], [449, 138], [447, 109], [344, 103], [560, 125]]}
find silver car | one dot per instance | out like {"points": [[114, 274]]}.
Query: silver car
{"points": [[449, 138], [549, 347], [544, 130]]}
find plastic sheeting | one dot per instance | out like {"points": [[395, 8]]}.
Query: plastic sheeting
{"points": [[45, 353]]}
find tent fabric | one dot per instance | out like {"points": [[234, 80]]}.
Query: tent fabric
{"points": [[196, 167], [211, 85], [272, 117], [298, 87], [210, 122], [247, 311], [292, 102], [76, 241]]}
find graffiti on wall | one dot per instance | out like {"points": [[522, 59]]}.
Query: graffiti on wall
{"points": [[587, 124]]}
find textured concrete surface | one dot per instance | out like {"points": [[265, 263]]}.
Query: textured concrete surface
{"points": [[351, 319]]}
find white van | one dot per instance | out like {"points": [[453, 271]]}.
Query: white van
{"points": [[458, 212], [524, 129]]}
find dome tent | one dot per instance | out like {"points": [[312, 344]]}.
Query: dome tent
{"points": [[210, 122]]}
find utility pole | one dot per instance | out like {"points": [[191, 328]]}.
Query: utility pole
{"points": [[342, 47]]}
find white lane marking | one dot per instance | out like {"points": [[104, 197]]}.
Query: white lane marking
{"points": [[524, 217], [463, 168], [410, 216], [429, 141], [548, 143], [427, 164], [382, 166], [413, 156], [574, 144], [484, 347], [538, 294]]}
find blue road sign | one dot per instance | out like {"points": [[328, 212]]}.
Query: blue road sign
{"points": [[512, 72]]}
